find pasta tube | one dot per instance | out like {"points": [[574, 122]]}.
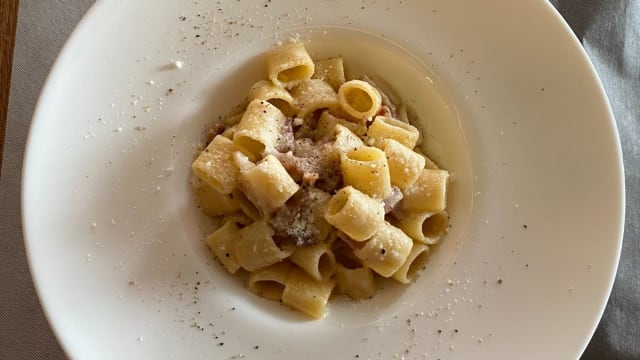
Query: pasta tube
{"points": [[268, 184], [386, 251], [247, 207], [346, 140], [366, 169], [359, 99], [317, 260], [259, 128], [214, 203], [428, 193], [415, 262], [289, 64], [312, 95], [331, 71], [426, 227], [221, 242], [357, 283], [276, 95], [269, 282], [384, 127], [214, 165], [304, 293], [256, 249], [327, 123], [355, 213], [405, 165]]}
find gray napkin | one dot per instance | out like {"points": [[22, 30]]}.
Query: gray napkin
{"points": [[609, 30]]}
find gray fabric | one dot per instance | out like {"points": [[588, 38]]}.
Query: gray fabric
{"points": [[609, 30]]}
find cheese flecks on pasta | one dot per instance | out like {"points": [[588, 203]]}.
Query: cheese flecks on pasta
{"points": [[405, 165], [428, 193], [319, 185], [312, 95], [302, 219], [214, 165], [346, 140], [331, 71]]}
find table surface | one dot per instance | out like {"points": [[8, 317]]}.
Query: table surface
{"points": [[8, 16], [609, 31]]}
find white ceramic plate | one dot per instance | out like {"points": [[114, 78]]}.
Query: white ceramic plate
{"points": [[511, 106]]}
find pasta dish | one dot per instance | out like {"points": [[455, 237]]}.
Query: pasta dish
{"points": [[320, 185]]}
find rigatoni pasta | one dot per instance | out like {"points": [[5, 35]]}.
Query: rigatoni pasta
{"points": [[386, 251], [359, 99], [222, 244], [405, 165], [312, 95], [259, 128], [355, 213], [316, 260], [358, 283], [268, 184], [289, 64], [214, 165], [366, 169], [424, 227], [428, 193], [270, 281], [275, 95], [214, 203], [255, 246], [413, 264], [331, 71], [319, 189], [306, 294], [384, 127], [346, 140], [328, 122]]}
